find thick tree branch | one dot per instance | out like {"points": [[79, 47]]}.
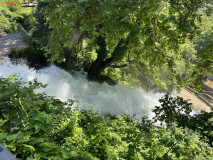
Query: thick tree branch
{"points": [[121, 66]]}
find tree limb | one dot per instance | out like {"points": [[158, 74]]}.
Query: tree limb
{"points": [[121, 66]]}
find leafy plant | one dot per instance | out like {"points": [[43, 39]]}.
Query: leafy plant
{"points": [[34, 54], [178, 111], [173, 110], [36, 126]]}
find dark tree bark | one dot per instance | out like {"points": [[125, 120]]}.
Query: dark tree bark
{"points": [[121, 66], [68, 52], [94, 70], [102, 62]]}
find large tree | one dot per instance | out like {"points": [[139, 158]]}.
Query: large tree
{"points": [[145, 30]]}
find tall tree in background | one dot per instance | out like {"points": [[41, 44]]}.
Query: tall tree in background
{"points": [[204, 46], [148, 30]]}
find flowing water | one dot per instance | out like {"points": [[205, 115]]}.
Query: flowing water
{"points": [[106, 99]]}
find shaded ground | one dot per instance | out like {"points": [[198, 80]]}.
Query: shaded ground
{"points": [[205, 99], [209, 83], [9, 41], [197, 103]]}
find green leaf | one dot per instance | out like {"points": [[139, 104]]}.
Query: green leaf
{"points": [[3, 135], [30, 147]]}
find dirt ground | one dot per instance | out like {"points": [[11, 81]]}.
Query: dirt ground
{"points": [[197, 103], [9, 41], [209, 83]]}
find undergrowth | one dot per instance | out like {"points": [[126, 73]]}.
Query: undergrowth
{"points": [[37, 126]]}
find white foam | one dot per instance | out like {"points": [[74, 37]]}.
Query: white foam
{"points": [[105, 98]]}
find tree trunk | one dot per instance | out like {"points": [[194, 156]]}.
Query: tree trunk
{"points": [[95, 68], [102, 62], [67, 55]]}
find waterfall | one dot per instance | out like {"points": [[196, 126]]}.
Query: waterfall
{"points": [[105, 98]]}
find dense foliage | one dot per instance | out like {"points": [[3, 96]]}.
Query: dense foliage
{"points": [[145, 36], [10, 14], [157, 78], [33, 54], [204, 46], [36, 126], [178, 111]]}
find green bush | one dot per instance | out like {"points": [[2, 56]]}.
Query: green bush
{"points": [[36, 126], [34, 54], [178, 111]]}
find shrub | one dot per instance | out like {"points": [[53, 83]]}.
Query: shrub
{"points": [[36, 126], [34, 54], [178, 111]]}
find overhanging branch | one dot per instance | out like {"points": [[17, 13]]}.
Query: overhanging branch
{"points": [[121, 66]]}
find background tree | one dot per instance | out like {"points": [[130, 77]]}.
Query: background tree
{"points": [[140, 74], [204, 46]]}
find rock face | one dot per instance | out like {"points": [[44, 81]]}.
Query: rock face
{"points": [[9, 41]]}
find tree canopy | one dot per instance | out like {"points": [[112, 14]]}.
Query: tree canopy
{"points": [[144, 31], [204, 46]]}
